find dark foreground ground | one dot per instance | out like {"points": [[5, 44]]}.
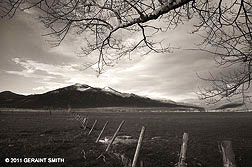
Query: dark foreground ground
{"points": [[41, 135]]}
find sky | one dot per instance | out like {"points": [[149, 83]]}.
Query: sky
{"points": [[29, 65]]}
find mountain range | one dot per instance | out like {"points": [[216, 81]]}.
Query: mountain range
{"points": [[85, 96]]}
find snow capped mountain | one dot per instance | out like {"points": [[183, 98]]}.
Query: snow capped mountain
{"points": [[83, 96], [167, 101], [82, 87], [78, 85], [115, 92]]}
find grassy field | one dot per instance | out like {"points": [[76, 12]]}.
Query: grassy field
{"points": [[39, 135]]}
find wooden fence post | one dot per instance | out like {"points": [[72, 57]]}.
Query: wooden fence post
{"points": [[98, 138], [182, 156], [228, 154], [84, 123], [141, 163], [69, 110], [138, 147], [115, 134], [92, 128]]}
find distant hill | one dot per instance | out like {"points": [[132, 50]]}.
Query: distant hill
{"points": [[7, 98], [84, 96], [230, 106]]}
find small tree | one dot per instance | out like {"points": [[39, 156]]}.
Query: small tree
{"points": [[225, 25]]}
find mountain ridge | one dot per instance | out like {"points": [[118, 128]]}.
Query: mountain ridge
{"points": [[84, 96]]}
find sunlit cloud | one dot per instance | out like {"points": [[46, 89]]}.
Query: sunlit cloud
{"points": [[48, 86]]}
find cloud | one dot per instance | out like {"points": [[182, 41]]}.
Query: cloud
{"points": [[48, 86], [32, 68], [30, 75], [66, 73], [170, 76]]}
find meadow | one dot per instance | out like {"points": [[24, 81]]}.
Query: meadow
{"points": [[60, 135]]}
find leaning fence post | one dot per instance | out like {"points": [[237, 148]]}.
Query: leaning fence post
{"points": [[92, 128], [113, 138], [69, 110], [98, 138], [84, 123], [182, 156], [228, 154], [138, 147]]}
